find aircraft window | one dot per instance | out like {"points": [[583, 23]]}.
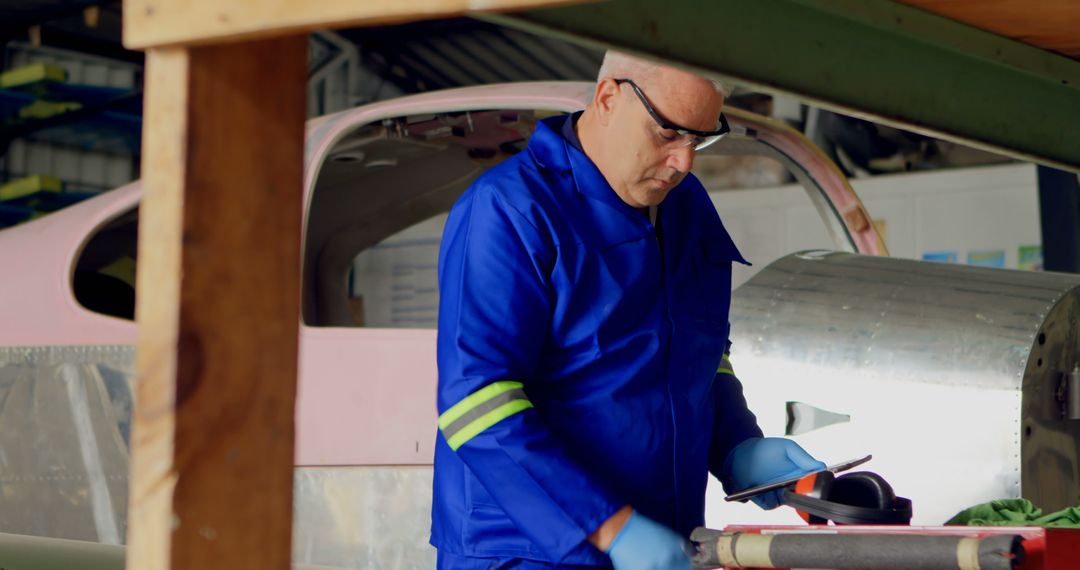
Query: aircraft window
{"points": [[399, 177], [104, 276], [378, 208], [394, 283]]}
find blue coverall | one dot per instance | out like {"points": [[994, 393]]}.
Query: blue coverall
{"points": [[581, 355]]}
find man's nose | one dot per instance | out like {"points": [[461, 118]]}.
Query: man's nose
{"points": [[681, 158]]}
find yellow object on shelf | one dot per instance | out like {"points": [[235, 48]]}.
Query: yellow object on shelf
{"points": [[32, 74], [44, 109], [29, 185]]}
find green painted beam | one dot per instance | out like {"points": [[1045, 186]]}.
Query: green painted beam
{"points": [[874, 59]]}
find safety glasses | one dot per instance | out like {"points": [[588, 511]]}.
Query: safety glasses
{"points": [[686, 137]]}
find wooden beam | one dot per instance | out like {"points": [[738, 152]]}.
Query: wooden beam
{"points": [[1047, 24], [218, 307], [156, 23]]}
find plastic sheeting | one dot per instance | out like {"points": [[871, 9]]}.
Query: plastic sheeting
{"points": [[363, 517], [65, 415], [64, 423]]}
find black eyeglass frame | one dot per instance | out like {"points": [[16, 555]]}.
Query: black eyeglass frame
{"points": [[714, 135]]}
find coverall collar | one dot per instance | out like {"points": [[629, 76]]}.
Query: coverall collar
{"points": [[551, 149]]}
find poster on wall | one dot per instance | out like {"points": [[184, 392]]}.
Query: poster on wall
{"points": [[394, 283], [1030, 258], [940, 256], [987, 258]]}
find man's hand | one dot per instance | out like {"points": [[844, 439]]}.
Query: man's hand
{"points": [[602, 537], [762, 460], [644, 544]]}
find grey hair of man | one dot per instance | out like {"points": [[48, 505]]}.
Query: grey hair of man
{"points": [[618, 65], [620, 133]]}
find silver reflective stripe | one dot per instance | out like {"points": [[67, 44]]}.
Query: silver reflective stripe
{"points": [[480, 409]]}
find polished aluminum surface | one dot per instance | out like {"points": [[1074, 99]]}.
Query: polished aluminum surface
{"points": [[1050, 448], [933, 363], [1071, 395]]}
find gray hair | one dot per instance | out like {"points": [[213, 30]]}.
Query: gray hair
{"points": [[618, 65]]}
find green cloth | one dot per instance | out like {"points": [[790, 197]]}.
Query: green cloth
{"points": [[1015, 512]]}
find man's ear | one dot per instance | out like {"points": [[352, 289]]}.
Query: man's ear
{"points": [[604, 100]]}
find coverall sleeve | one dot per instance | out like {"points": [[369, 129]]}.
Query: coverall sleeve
{"points": [[495, 309], [734, 422]]}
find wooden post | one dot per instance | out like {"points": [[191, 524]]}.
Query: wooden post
{"points": [[218, 307]]}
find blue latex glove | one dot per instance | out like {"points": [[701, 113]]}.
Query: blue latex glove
{"points": [[644, 544], [763, 460]]}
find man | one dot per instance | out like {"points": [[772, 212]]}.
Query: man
{"points": [[585, 393]]}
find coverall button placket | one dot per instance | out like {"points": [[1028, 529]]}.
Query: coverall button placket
{"points": [[670, 322]]}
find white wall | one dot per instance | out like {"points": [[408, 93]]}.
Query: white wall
{"points": [[964, 211]]}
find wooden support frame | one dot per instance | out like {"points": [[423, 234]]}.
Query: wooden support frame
{"points": [[155, 23], [219, 255], [218, 307]]}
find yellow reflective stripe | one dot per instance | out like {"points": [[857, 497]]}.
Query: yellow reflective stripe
{"points": [[475, 399], [725, 366], [487, 420]]}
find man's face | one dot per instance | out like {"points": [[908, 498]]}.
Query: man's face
{"points": [[646, 160]]}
